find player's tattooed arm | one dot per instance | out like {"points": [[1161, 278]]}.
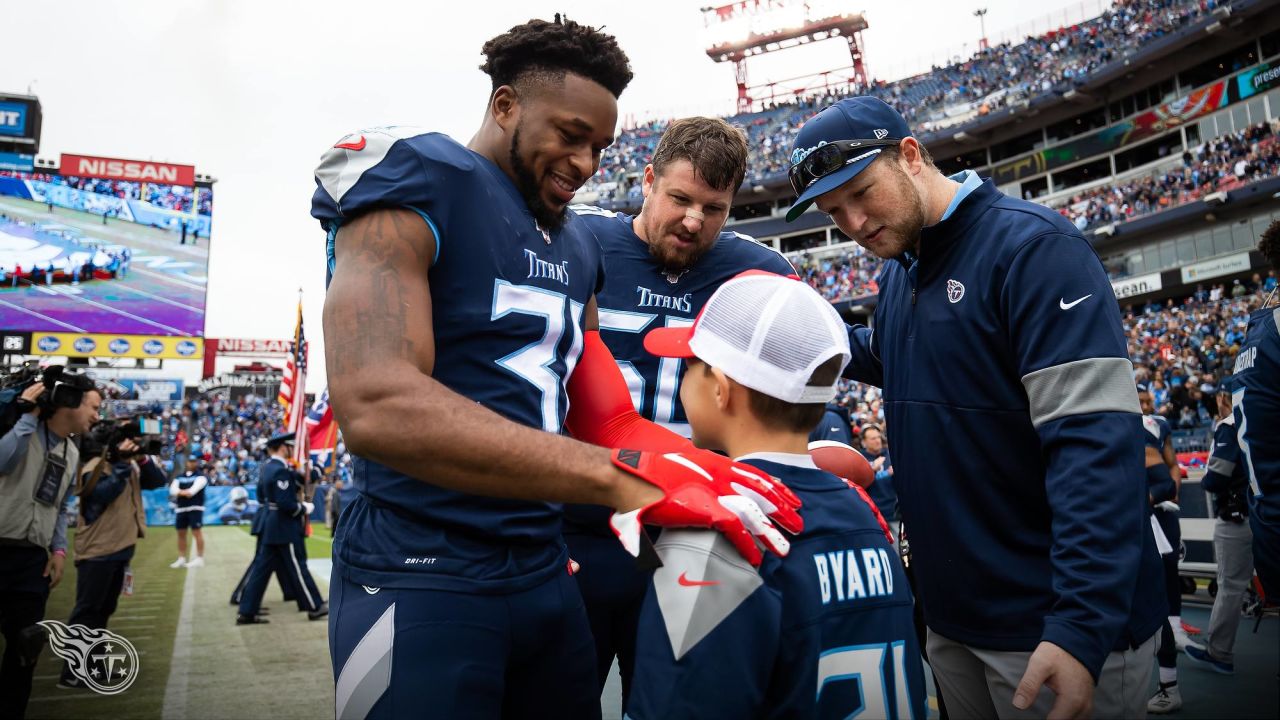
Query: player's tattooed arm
{"points": [[380, 353]]}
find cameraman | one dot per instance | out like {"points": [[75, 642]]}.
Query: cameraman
{"points": [[37, 468], [110, 521]]}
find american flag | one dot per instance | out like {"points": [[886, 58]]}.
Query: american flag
{"points": [[293, 391]]}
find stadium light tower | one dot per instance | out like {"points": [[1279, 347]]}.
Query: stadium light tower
{"points": [[981, 14], [746, 28]]}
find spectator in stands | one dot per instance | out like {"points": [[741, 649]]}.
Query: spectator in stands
{"points": [[876, 453], [834, 425]]}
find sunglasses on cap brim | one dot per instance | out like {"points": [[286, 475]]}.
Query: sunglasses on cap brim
{"points": [[829, 158]]}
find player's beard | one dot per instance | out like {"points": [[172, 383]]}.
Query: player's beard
{"points": [[531, 190], [671, 259], [903, 234]]}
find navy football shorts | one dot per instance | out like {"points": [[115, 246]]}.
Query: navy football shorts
{"points": [[434, 653], [193, 520]]}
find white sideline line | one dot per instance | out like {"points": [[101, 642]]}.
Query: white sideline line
{"points": [[165, 300], [175, 691], [169, 278], [129, 315], [42, 317]]}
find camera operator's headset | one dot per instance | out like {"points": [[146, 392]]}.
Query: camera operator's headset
{"points": [[63, 389]]}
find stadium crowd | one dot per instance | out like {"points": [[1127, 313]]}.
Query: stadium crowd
{"points": [[1223, 163], [989, 79], [228, 436], [166, 197], [1180, 350]]}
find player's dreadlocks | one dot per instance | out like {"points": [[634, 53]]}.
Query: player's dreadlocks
{"points": [[552, 49], [1269, 245]]}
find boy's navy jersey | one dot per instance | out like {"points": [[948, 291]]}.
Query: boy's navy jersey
{"points": [[1004, 332], [187, 481], [1255, 402], [825, 632], [1156, 431], [639, 295], [507, 300]]}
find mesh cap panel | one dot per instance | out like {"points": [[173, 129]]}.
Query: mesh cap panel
{"points": [[770, 333]]}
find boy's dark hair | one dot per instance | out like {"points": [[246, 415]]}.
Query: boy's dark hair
{"points": [[1269, 245], [545, 51], [716, 149], [783, 416]]}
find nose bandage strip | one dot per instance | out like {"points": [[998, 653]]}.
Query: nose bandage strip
{"points": [[694, 215]]}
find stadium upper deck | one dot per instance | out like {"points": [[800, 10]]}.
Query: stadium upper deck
{"points": [[1132, 124]]}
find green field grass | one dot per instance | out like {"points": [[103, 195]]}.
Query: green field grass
{"points": [[219, 669]]}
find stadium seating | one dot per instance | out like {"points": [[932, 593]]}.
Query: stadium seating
{"points": [[990, 79]]}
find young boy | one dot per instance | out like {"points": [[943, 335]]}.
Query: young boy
{"points": [[825, 632]]}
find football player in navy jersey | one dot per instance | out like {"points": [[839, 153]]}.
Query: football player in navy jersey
{"points": [[1255, 403], [660, 267], [1164, 482], [461, 321], [717, 639]]}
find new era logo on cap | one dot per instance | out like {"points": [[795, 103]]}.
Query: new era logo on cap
{"points": [[881, 133]]}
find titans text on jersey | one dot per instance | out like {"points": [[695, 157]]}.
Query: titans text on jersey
{"points": [[639, 295]]}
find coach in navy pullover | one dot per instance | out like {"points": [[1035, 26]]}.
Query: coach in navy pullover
{"points": [[997, 328]]}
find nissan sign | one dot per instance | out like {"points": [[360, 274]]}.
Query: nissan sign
{"points": [[136, 170]]}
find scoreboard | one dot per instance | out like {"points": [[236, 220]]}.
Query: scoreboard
{"points": [[20, 118]]}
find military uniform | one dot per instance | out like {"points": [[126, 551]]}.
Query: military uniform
{"points": [[282, 539]]}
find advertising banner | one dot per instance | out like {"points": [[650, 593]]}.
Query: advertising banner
{"points": [[1226, 265], [19, 162], [88, 166], [1138, 285], [118, 346], [1149, 124], [152, 390], [1256, 80], [251, 347]]}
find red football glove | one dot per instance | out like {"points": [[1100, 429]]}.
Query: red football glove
{"points": [[703, 489]]}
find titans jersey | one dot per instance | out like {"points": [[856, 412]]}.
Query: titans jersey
{"points": [[825, 632], [640, 296], [1157, 431], [507, 301], [1255, 401]]}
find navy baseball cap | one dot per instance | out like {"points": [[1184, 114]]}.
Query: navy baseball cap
{"points": [[862, 126]]}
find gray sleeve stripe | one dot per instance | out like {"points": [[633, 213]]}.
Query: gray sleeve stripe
{"points": [[341, 168], [1079, 387], [1220, 466]]}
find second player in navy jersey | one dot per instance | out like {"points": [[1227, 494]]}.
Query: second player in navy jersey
{"points": [[661, 265], [461, 321], [1255, 402]]}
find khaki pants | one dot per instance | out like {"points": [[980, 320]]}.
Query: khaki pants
{"points": [[980, 683]]}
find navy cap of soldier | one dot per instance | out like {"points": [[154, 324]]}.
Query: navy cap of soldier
{"points": [[276, 441]]}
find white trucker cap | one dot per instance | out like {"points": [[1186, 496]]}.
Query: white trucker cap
{"points": [[765, 331]]}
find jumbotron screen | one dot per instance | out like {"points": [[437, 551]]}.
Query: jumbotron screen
{"points": [[124, 253]]}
